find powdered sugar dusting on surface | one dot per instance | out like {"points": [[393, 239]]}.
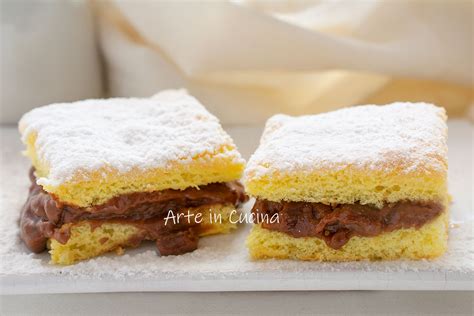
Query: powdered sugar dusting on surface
{"points": [[123, 134], [223, 257], [411, 134]]}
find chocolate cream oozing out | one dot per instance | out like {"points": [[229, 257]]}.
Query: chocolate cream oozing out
{"points": [[43, 216], [336, 224]]}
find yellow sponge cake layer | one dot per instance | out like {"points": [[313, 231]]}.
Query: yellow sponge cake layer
{"points": [[95, 187], [366, 154], [349, 185], [88, 240], [429, 241]]}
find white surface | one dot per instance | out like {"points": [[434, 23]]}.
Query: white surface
{"points": [[221, 263], [246, 303]]}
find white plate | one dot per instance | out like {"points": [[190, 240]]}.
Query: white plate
{"points": [[221, 263]]}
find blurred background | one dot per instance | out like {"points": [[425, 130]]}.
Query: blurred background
{"points": [[245, 60]]}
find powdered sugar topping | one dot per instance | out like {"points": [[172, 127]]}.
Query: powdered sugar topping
{"points": [[124, 133], [407, 135]]}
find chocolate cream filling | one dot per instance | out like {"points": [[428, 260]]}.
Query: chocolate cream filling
{"points": [[336, 224], [43, 216]]}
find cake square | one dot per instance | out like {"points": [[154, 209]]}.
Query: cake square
{"points": [[118, 165], [366, 182]]}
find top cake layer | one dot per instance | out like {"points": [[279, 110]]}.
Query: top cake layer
{"points": [[89, 151], [368, 154]]}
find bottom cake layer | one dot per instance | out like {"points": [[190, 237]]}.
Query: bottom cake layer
{"points": [[87, 239], [429, 241]]}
